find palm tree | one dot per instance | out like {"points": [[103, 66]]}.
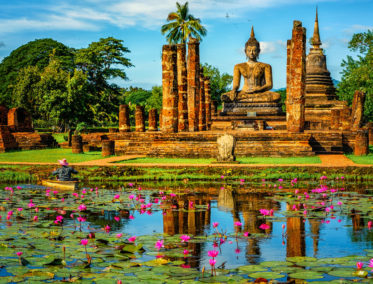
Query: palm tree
{"points": [[182, 25]]}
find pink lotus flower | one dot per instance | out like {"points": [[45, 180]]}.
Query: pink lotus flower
{"points": [[359, 265], [186, 252], [131, 217], [119, 235], [172, 194], [19, 253], [212, 262], [370, 223], [327, 209], [131, 196], [117, 196], [264, 226], [30, 205], [184, 238], [19, 209], [264, 212], [370, 263], [215, 224], [107, 228], [212, 253], [132, 239], [116, 218], [159, 244], [339, 203], [246, 234], [130, 184], [36, 209], [84, 242], [82, 207], [283, 226], [75, 194], [221, 177], [237, 250], [238, 224], [156, 200], [81, 219], [35, 218]]}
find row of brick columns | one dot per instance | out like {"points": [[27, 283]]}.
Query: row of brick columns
{"points": [[124, 119], [186, 92]]}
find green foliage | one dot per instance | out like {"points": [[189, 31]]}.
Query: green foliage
{"points": [[219, 83], [155, 100], [357, 72], [137, 96], [282, 93], [35, 53], [182, 25]]}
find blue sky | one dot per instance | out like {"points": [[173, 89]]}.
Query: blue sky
{"points": [[76, 23]]}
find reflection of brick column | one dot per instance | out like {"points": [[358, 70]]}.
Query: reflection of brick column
{"points": [[124, 118], [296, 74], [361, 143], [139, 119], [295, 243], [182, 87], [202, 109], [208, 103], [152, 120], [193, 83], [169, 84]]}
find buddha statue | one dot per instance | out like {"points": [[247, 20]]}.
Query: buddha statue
{"points": [[257, 78]]}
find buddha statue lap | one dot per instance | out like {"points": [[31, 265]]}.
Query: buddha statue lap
{"points": [[255, 95]]}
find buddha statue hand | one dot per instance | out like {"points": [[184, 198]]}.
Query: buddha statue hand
{"points": [[230, 96]]}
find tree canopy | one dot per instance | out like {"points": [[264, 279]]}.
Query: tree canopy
{"points": [[219, 83], [357, 72], [181, 25]]}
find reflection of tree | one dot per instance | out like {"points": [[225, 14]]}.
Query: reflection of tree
{"points": [[106, 217]]}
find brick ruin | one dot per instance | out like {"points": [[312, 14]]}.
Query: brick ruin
{"points": [[189, 123], [16, 131]]}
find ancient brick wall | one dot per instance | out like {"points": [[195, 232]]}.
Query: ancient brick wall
{"points": [[193, 70], [182, 85], [19, 120], [124, 118], [3, 115]]}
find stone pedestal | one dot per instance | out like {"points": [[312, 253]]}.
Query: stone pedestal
{"points": [[361, 143], [296, 74], [208, 103], [152, 120], [226, 145], [140, 119], [124, 118], [108, 147], [182, 87], [193, 83], [170, 93], [202, 109], [357, 110], [77, 144]]}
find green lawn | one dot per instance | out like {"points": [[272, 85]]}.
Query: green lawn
{"points": [[60, 137], [245, 160], [368, 159], [48, 155]]}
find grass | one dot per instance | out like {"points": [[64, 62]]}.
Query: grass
{"points": [[243, 160], [368, 159], [60, 137], [48, 156]]}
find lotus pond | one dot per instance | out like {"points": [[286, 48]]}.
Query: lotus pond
{"points": [[314, 231]]}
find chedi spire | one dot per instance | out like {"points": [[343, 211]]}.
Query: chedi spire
{"points": [[316, 42]]}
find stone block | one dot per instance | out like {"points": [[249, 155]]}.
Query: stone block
{"points": [[361, 143]]}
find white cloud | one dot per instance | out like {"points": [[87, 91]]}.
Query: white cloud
{"points": [[272, 47], [91, 14], [357, 28]]}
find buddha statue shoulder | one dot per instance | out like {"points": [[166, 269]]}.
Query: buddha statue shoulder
{"points": [[257, 78]]}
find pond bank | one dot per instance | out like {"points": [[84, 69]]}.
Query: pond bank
{"points": [[118, 172]]}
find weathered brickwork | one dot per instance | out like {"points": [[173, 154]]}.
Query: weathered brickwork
{"points": [[153, 119], [202, 103], [193, 70], [108, 147], [170, 89], [124, 118], [77, 144], [140, 119], [208, 102], [296, 72], [19, 120], [182, 87], [361, 143], [357, 110]]}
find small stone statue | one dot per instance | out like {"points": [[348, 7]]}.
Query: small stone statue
{"points": [[226, 145], [257, 76]]}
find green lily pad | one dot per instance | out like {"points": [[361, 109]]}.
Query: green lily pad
{"points": [[342, 272], [361, 273], [300, 258], [286, 269], [275, 263], [309, 275], [322, 268], [266, 275], [252, 268]]}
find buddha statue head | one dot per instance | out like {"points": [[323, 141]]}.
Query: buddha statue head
{"points": [[252, 47]]}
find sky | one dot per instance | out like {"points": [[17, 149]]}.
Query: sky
{"points": [[77, 23]]}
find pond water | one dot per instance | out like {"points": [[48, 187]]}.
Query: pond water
{"points": [[221, 232]]}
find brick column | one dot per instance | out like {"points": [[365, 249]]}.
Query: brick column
{"points": [[77, 144], [140, 119], [169, 84], [361, 143], [152, 120], [208, 103], [124, 118], [357, 110], [193, 83], [108, 147], [182, 88], [202, 107], [296, 75]]}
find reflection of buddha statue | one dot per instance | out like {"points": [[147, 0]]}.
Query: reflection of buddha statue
{"points": [[257, 78]]}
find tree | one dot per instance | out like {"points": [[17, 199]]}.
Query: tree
{"points": [[155, 100], [182, 25], [358, 73], [219, 83], [34, 53], [102, 62]]}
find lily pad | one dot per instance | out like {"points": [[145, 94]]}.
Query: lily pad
{"points": [[309, 275], [266, 275], [275, 263], [252, 268], [342, 272]]}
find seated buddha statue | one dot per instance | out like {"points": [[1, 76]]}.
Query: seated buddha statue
{"points": [[257, 78]]}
